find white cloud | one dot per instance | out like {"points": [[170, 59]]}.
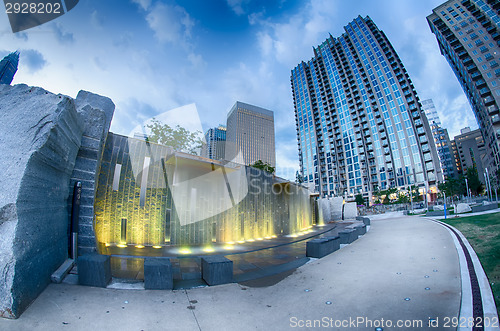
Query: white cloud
{"points": [[145, 4], [95, 20], [171, 24], [237, 6]]}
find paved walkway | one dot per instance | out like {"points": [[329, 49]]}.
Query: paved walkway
{"points": [[404, 270]]}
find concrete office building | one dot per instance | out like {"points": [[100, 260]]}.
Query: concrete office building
{"points": [[468, 36], [360, 125], [470, 151], [215, 139], [250, 135]]}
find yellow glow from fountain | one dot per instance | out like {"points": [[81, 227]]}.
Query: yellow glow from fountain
{"points": [[107, 244], [139, 246], [156, 246], [251, 240], [260, 238], [122, 245], [208, 250], [267, 237], [229, 247], [185, 251], [230, 243], [294, 235], [241, 241], [274, 236]]}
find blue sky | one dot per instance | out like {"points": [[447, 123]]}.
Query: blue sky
{"points": [[150, 56]]}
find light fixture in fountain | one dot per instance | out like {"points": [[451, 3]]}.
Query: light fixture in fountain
{"points": [[208, 249], [122, 245], [139, 246], [157, 246], [185, 251]]}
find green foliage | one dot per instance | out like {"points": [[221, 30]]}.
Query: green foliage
{"points": [[263, 166], [483, 233], [360, 200], [415, 194], [475, 185], [453, 187], [178, 138], [402, 198]]}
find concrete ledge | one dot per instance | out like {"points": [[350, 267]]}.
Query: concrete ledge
{"points": [[360, 229], [158, 274], [435, 213], [476, 209], [61, 272], [347, 236], [321, 247], [365, 220], [94, 270], [216, 270]]}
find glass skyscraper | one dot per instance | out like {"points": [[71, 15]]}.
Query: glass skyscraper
{"points": [[360, 126], [216, 142], [441, 139], [8, 67], [250, 134], [468, 35]]}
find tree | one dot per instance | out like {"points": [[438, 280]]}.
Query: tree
{"points": [[473, 181], [415, 194], [453, 187], [377, 194], [264, 166], [178, 138], [359, 200], [403, 198]]}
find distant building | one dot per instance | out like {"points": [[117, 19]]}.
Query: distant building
{"points": [[8, 67], [250, 134], [441, 140], [470, 151], [444, 150], [431, 112], [215, 139], [468, 35]]}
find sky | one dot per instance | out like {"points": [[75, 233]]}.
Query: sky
{"points": [[151, 56]]}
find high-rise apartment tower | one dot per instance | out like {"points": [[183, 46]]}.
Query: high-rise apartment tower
{"points": [[360, 126], [468, 35]]}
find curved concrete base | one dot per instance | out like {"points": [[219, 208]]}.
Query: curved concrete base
{"points": [[404, 270]]}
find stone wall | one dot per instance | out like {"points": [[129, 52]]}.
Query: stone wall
{"points": [[97, 112], [40, 138], [40, 135]]}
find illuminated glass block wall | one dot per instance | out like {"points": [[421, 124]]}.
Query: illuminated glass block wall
{"points": [[149, 195]]}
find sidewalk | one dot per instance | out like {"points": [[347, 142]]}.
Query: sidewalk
{"points": [[404, 269]]}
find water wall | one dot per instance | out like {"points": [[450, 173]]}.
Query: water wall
{"points": [[149, 195]]}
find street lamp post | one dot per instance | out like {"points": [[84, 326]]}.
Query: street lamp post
{"points": [[487, 188], [444, 193], [467, 186], [490, 194]]}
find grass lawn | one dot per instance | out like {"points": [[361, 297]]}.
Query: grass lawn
{"points": [[483, 233]]}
